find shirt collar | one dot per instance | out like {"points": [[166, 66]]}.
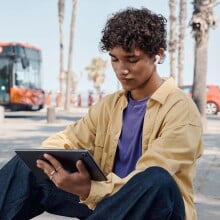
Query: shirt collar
{"points": [[164, 90], [160, 95]]}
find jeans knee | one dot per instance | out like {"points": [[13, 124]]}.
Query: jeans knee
{"points": [[156, 176]]}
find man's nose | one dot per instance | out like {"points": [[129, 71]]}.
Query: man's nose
{"points": [[124, 72], [122, 69]]}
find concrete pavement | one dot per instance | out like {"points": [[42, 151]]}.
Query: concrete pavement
{"points": [[28, 129], [207, 181]]}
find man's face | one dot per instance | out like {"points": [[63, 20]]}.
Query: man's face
{"points": [[133, 69]]}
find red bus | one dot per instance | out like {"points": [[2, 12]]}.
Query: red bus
{"points": [[20, 77]]}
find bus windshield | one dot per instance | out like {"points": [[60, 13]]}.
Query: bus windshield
{"points": [[28, 77]]}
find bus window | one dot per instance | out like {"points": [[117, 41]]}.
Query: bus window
{"points": [[32, 74], [19, 74], [28, 77], [20, 51], [4, 80]]}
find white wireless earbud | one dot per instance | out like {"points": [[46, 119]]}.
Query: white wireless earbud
{"points": [[157, 59]]}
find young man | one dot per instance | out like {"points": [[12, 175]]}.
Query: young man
{"points": [[146, 139]]}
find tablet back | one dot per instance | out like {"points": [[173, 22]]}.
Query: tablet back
{"points": [[67, 158]]}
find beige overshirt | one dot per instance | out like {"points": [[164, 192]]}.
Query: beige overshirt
{"points": [[172, 139]]}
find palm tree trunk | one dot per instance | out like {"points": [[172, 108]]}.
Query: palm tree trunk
{"points": [[70, 80], [172, 41], [202, 20], [61, 6], [182, 28], [200, 72]]}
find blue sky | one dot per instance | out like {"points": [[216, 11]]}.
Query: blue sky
{"points": [[36, 22]]}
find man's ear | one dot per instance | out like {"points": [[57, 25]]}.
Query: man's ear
{"points": [[161, 53]]}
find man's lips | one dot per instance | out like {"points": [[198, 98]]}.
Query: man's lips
{"points": [[125, 79]]}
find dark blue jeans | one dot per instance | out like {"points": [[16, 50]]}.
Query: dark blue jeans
{"points": [[152, 194]]}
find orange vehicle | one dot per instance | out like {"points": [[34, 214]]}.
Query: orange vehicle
{"points": [[20, 77], [212, 97]]}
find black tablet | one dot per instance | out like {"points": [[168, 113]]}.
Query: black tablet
{"points": [[67, 158]]}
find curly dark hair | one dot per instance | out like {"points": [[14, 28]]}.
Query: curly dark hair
{"points": [[135, 28]]}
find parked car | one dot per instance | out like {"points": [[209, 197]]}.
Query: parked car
{"points": [[212, 97]]}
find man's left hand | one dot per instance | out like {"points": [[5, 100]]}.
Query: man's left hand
{"points": [[78, 183]]}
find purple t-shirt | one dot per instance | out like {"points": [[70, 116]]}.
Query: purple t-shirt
{"points": [[130, 141]]}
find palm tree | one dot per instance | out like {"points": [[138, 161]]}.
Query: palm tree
{"points": [[172, 38], [70, 75], [96, 72], [62, 75], [202, 20], [182, 28]]}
